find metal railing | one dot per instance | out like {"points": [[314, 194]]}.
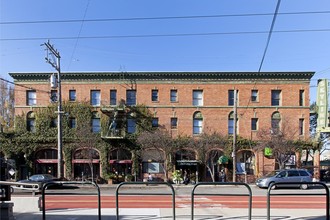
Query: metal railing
{"points": [[231, 193], [45, 186], [141, 193], [274, 185]]}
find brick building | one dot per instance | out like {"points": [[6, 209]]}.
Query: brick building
{"points": [[185, 103]]}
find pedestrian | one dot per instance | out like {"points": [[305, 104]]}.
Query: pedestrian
{"points": [[222, 176], [149, 177]]}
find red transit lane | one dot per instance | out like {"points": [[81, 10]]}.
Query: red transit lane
{"points": [[146, 201]]}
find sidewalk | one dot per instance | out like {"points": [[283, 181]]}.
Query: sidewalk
{"points": [[181, 213]]}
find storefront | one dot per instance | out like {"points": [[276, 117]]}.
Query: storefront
{"points": [[46, 162], [86, 164]]}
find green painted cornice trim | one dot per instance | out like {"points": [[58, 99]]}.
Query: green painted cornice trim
{"points": [[165, 76]]}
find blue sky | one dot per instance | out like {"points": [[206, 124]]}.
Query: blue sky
{"points": [[147, 35]]}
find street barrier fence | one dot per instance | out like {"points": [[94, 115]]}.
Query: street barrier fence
{"points": [[46, 185], [231, 193], [148, 184], [308, 184]]}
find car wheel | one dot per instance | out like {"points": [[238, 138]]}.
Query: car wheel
{"points": [[304, 186], [273, 187]]}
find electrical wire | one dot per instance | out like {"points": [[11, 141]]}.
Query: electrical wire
{"points": [[79, 33], [163, 35], [160, 18]]}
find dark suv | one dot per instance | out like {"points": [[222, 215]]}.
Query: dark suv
{"points": [[282, 176]]}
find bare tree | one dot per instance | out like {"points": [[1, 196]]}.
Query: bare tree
{"points": [[281, 141], [207, 145], [162, 143], [6, 106], [87, 140]]}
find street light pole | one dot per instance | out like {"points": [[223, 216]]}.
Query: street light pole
{"points": [[56, 64]]}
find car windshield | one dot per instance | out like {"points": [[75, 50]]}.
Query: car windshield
{"points": [[40, 177], [273, 173]]}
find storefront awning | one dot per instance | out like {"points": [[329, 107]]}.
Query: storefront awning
{"points": [[86, 161], [46, 160], [120, 161]]}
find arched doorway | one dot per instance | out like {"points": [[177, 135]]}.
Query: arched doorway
{"points": [[245, 166], [185, 161], [153, 162], [120, 162], [46, 162], [86, 164]]}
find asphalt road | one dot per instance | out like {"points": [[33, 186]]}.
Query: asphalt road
{"points": [[165, 189]]}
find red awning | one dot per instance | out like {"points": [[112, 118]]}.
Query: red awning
{"points": [[85, 161]]}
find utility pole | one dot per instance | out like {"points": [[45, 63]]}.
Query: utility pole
{"points": [[234, 136], [54, 61]]}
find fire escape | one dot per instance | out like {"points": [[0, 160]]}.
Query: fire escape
{"points": [[116, 122]]}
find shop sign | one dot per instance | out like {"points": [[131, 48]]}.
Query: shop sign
{"points": [[187, 162]]}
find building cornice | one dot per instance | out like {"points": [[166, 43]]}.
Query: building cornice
{"points": [[165, 76]]}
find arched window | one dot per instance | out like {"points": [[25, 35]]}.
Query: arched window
{"points": [[276, 121], [231, 124], [86, 153], [46, 154], [30, 120], [198, 123]]}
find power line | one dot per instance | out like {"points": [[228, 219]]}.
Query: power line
{"points": [[270, 34], [76, 43], [160, 18], [30, 88], [164, 35]]}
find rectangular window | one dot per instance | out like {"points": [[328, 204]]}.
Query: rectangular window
{"points": [[174, 95], [72, 123], [113, 97], [254, 124], [301, 97], [254, 95], [131, 97], [276, 97], [198, 126], [301, 126], [231, 97], [155, 122], [72, 95], [174, 123], [53, 96], [31, 97], [95, 97], [131, 126], [197, 97], [154, 95], [96, 125], [152, 167], [53, 123], [230, 126]]}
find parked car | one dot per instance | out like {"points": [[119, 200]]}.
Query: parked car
{"points": [[283, 176], [40, 179]]}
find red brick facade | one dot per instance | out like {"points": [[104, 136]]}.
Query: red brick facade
{"points": [[293, 87]]}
